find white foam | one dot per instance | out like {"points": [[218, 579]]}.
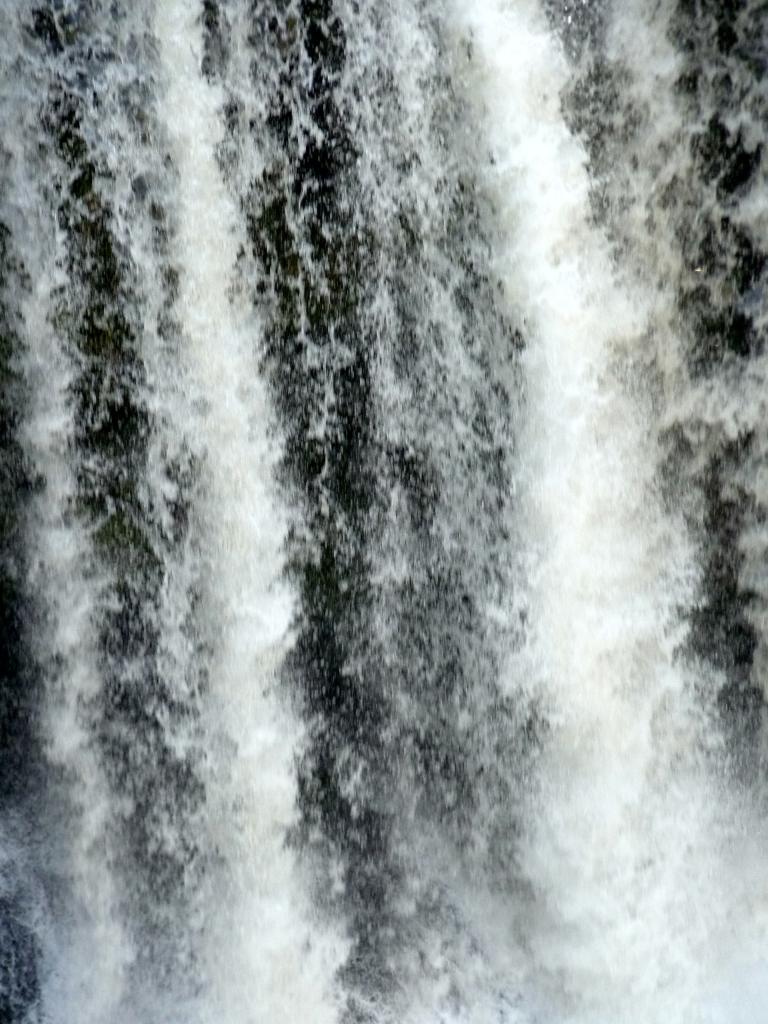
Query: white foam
{"points": [[265, 960], [624, 837]]}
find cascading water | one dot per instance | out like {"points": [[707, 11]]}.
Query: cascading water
{"points": [[382, 584]]}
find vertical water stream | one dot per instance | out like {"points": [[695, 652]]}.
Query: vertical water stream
{"points": [[260, 950]]}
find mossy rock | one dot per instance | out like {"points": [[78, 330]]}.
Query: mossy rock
{"points": [[124, 545]]}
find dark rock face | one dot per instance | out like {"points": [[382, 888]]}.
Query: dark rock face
{"points": [[19, 686], [21, 759], [19, 983]]}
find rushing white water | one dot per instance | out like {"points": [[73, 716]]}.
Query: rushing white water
{"points": [[397, 535], [65, 587], [631, 828], [262, 960], [69, 655]]}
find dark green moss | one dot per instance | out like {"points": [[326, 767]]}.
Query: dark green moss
{"points": [[124, 544]]}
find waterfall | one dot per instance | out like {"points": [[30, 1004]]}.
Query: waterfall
{"points": [[250, 796], [382, 549], [622, 785]]}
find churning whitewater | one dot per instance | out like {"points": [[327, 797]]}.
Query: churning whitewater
{"points": [[384, 482]]}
